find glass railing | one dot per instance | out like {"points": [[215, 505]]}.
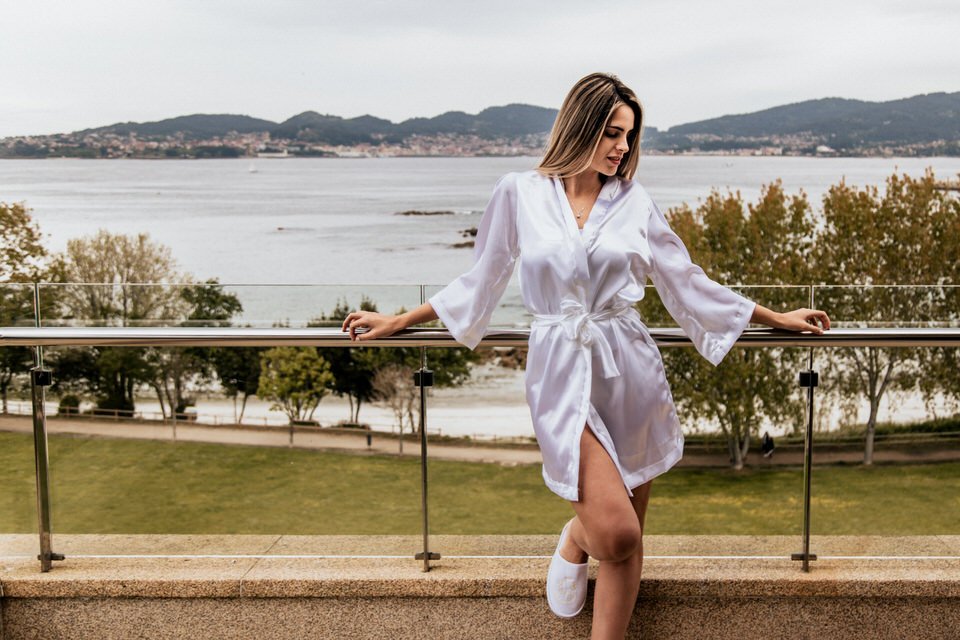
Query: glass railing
{"points": [[130, 454]]}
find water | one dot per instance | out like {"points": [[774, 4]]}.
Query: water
{"points": [[332, 222]]}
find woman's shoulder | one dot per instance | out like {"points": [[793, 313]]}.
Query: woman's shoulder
{"points": [[527, 178], [636, 192], [634, 187]]}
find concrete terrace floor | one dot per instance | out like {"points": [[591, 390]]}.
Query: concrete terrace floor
{"points": [[497, 582]]}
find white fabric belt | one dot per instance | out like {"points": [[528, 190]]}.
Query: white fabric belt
{"points": [[580, 325]]}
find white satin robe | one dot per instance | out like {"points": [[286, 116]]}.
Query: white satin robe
{"points": [[591, 360]]}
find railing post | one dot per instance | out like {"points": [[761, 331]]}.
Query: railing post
{"points": [[40, 378], [808, 379], [423, 379]]}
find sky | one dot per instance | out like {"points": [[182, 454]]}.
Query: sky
{"points": [[73, 64]]}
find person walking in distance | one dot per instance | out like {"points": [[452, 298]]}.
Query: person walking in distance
{"points": [[587, 236]]}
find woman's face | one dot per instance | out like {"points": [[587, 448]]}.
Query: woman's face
{"points": [[613, 145]]}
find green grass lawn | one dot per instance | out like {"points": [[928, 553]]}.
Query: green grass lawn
{"points": [[130, 486]]}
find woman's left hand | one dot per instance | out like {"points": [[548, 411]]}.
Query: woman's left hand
{"points": [[812, 320]]}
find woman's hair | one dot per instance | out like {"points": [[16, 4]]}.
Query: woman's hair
{"points": [[580, 124]]}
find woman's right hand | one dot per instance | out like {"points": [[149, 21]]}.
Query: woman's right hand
{"points": [[377, 324]]}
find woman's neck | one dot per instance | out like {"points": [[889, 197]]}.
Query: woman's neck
{"points": [[583, 183]]}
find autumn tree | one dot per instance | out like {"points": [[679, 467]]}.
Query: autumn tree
{"points": [[118, 274], [890, 245], [113, 280], [23, 261], [768, 242]]}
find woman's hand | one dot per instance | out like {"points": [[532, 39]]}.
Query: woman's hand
{"points": [[378, 325], [804, 320]]}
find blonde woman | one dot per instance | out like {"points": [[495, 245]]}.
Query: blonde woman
{"points": [[590, 236]]}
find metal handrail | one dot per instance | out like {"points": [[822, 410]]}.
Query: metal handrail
{"points": [[430, 337]]}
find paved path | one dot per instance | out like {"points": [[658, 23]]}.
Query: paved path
{"points": [[272, 437], [327, 439]]}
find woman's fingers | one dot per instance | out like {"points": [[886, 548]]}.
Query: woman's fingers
{"points": [[351, 322], [812, 320], [356, 319], [816, 316], [824, 318]]}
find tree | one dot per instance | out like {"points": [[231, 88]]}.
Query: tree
{"points": [[393, 384], [121, 275], [111, 375], [116, 278], [354, 368], [295, 380], [177, 369], [23, 261], [769, 242], [23, 257], [909, 235], [239, 371]]}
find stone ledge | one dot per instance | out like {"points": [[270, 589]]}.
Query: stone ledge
{"points": [[262, 567], [466, 578]]}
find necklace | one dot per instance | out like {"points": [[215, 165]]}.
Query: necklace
{"points": [[579, 212]]}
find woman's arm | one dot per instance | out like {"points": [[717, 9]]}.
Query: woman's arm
{"points": [[380, 326], [796, 320]]}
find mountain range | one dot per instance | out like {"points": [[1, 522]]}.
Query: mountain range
{"points": [[920, 125], [512, 120]]}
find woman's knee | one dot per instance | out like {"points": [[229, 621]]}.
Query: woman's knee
{"points": [[618, 542]]}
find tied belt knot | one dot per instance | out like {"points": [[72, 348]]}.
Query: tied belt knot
{"points": [[580, 325]]}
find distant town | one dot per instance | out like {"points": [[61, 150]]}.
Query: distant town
{"points": [[263, 145]]}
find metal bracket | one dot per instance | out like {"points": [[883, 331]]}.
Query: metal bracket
{"points": [[423, 374], [52, 556], [433, 555], [802, 556], [41, 377], [809, 379]]}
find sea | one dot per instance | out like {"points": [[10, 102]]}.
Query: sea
{"points": [[293, 237]]}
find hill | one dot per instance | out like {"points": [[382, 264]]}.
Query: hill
{"points": [[509, 121], [842, 124], [197, 126]]}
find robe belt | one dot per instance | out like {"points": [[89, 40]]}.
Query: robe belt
{"points": [[580, 325]]}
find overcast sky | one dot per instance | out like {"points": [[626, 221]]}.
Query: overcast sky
{"points": [[74, 64]]}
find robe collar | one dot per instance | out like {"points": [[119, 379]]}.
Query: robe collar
{"points": [[582, 241]]}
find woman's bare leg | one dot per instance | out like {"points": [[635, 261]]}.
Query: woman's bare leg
{"points": [[608, 529]]}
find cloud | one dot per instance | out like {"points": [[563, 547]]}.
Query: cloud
{"points": [[87, 63]]}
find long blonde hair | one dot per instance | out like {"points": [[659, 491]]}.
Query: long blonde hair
{"points": [[579, 126]]}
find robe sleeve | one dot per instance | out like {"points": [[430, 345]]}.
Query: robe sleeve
{"points": [[466, 305], [711, 315]]}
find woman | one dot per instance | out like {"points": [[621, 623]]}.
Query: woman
{"points": [[590, 237]]}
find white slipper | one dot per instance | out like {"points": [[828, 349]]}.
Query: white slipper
{"points": [[566, 582]]}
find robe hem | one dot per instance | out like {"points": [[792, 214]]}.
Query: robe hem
{"points": [[742, 319], [450, 323]]}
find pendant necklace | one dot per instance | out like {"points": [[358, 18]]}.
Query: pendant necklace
{"points": [[579, 212]]}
